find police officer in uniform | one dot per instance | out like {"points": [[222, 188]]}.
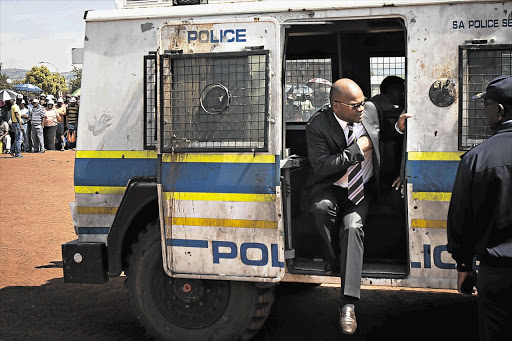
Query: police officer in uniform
{"points": [[480, 215]]}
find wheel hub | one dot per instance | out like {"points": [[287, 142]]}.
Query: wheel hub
{"points": [[188, 290], [189, 303]]}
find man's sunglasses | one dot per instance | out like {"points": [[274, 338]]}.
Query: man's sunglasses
{"points": [[355, 106]]}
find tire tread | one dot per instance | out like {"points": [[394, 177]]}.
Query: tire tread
{"points": [[265, 299]]}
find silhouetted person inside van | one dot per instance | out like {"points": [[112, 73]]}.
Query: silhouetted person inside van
{"points": [[390, 104]]}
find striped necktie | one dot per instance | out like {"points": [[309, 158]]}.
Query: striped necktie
{"points": [[355, 174]]}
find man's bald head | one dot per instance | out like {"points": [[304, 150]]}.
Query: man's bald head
{"points": [[345, 94], [344, 89]]}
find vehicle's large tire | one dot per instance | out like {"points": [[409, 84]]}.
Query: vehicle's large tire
{"points": [[183, 309]]}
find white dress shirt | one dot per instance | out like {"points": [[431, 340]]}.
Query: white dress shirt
{"points": [[366, 164]]}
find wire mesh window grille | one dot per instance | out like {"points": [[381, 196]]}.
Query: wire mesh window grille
{"points": [[478, 65], [150, 86], [307, 85], [215, 101], [381, 67]]}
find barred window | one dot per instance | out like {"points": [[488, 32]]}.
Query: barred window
{"points": [[381, 67], [150, 103], [215, 101], [478, 65], [307, 85]]}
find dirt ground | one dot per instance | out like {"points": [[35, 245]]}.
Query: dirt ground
{"points": [[36, 304]]}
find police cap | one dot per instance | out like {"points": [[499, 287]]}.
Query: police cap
{"points": [[499, 89]]}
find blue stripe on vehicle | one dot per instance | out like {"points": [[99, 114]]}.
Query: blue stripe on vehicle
{"points": [[432, 175], [415, 265], [256, 178], [93, 230], [203, 244], [112, 172]]}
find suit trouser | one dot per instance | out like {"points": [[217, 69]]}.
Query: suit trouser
{"points": [[338, 219], [494, 286]]}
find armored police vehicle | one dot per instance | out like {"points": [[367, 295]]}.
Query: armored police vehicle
{"points": [[191, 157]]}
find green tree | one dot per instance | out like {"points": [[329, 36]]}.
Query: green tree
{"points": [[16, 82], [3, 82], [43, 78], [76, 83]]}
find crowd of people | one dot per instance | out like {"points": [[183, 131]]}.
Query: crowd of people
{"points": [[38, 124]]}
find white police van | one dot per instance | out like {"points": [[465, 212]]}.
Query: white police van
{"points": [[191, 157]]}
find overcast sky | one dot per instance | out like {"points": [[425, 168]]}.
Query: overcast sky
{"points": [[39, 30]]}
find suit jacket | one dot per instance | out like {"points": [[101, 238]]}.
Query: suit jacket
{"points": [[328, 152]]}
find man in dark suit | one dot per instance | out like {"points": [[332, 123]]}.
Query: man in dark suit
{"points": [[343, 148]]}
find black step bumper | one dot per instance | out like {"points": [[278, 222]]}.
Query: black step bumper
{"points": [[85, 262]]}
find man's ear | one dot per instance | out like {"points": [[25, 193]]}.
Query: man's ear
{"points": [[500, 113]]}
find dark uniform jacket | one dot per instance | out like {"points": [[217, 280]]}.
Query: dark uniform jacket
{"points": [[328, 152], [480, 214]]}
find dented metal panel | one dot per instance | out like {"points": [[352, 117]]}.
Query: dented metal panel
{"points": [[222, 211]]}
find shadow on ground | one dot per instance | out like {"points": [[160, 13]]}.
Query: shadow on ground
{"points": [[54, 264], [310, 313], [59, 311]]}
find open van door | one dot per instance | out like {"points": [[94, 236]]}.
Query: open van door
{"points": [[219, 149]]}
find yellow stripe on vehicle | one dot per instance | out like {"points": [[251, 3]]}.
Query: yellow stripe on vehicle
{"points": [[99, 190], [116, 154], [220, 196], [430, 224], [96, 210], [432, 196], [219, 158], [434, 156], [237, 223]]}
